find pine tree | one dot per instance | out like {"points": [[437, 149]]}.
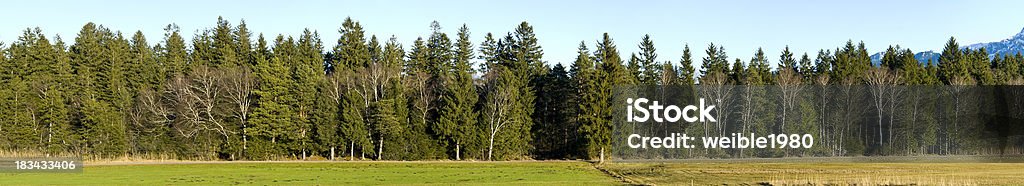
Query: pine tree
{"points": [[60, 136], [352, 57], [243, 45], [420, 101], [633, 68], [225, 50], [97, 55], [952, 69], [457, 120], [758, 70], [307, 71], [272, 120], [143, 69], [351, 50], [649, 62], [715, 66], [438, 65], [554, 131], [394, 96], [172, 54], [686, 70], [806, 68], [584, 74], [786, 60], [611, 74]]}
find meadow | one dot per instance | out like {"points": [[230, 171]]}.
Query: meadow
{"points": [[322, 173], [787, 171], [932, 170]]}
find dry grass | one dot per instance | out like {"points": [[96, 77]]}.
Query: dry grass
{"points": [[720, 173]]}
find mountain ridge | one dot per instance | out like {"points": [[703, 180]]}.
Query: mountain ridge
{"points": [[1010, 46]]}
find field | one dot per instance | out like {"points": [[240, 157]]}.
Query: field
{"points": [[325, 173], [933, 170], [797, 171]]}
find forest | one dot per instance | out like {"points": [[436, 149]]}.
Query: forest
{"points": [[232, 94]]}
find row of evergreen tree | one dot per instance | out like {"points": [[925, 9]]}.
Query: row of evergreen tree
{"points": [[229, 95]]}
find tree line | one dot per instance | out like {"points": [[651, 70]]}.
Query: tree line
{"points": [[231, 94]]}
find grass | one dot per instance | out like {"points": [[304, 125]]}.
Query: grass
{"points": [[793, 171], [745, 173], [324, 173]]}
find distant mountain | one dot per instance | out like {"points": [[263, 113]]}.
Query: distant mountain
{"points": [[1010, 46], [922, 57]]}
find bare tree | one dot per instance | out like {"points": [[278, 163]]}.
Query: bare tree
{"points": [[498, 107], [825, 130], [881, 83], [714, 86], [196, 98], [959, 84], [790, 88], [240, 83]]}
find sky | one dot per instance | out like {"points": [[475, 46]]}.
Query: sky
{"points": [[560, 25]]}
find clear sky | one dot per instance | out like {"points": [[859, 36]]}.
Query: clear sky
{"points": [[741, 26]]}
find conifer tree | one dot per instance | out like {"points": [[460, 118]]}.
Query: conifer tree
{"points": [[649, 62], [584, 74], [172, 54], [715, 66], [786, 60], [225, 49], [457, 122], [806, 68], [611, 74], [307, 69], [272, 120], [686, 71], [243, 44]]}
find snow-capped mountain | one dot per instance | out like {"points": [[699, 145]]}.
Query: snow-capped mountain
{"points": [[922, 57], [1010, 46]]}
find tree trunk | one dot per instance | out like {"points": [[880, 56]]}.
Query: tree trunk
{"points": [[380, 149], [245, 141], [457, 156], [490, 147], [352, 151], [602, 156], [332, 153]]}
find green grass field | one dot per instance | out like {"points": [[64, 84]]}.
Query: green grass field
{"points": [[325, 173], [715, 172]]}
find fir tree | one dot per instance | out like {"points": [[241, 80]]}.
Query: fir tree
{"points": [[457, 118]]}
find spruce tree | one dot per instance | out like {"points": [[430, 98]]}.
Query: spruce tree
{"points": [[272, 120], [952, 70], [686, 71], [584, 74], [649, 62], [225, 50], [714, 68], [611, 74], [786, 60], [457, 122], [307, 71], [173, 54]]}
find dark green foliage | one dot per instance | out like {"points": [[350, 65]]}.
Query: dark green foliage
{"points": [[225, 97], [555, 134], [457, 121]]}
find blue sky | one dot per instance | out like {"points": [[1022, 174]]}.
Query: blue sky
{"points": [[741, 26]]}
